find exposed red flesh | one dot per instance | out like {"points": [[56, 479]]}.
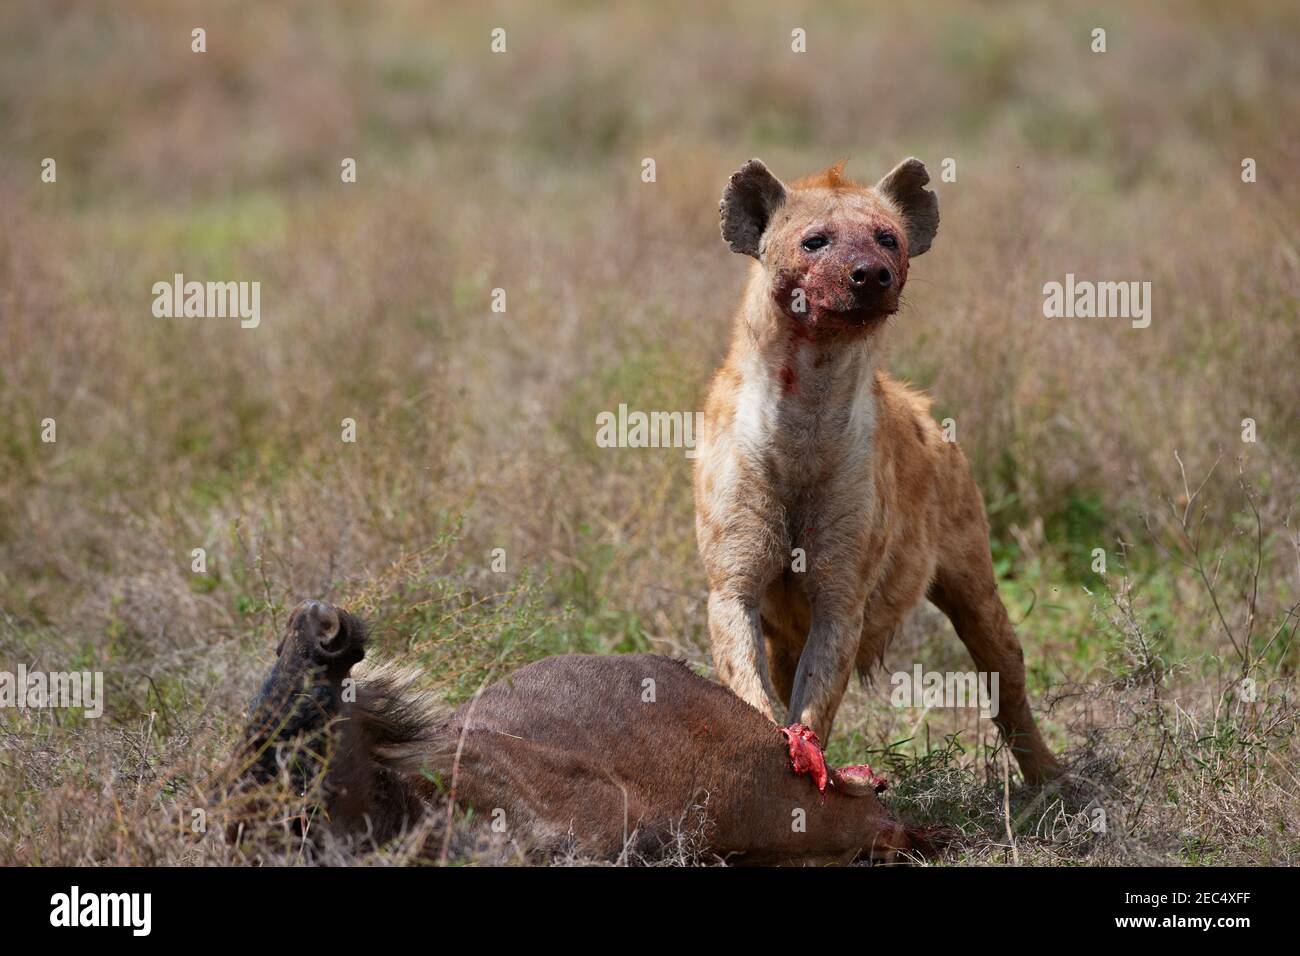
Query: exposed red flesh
{"points": [[859, 776], [807, 757], [806, 754]]}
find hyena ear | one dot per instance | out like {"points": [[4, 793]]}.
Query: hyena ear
{"points": [[919, 206], [751, 196]]}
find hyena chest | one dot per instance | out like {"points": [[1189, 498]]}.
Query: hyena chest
{"points": [[821, 468], [828, 526], [812, 452]]}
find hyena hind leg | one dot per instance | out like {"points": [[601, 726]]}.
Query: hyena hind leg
{"points": [[969, 597]]}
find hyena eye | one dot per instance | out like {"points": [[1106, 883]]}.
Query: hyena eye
{"points": [[887, 240], [813, 243]]}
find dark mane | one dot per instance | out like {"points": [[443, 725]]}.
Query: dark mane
{"points": [[400, 718]]}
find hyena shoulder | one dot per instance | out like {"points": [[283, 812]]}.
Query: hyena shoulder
{"points": [[906, 412]]}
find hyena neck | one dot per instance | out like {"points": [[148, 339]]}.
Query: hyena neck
{"points": [[808, 408], [826, 382]]}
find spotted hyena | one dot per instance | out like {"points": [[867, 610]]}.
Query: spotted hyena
{"points": [[827, 501]]}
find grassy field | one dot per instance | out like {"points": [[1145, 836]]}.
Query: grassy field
{"points": [[1169, 682]]}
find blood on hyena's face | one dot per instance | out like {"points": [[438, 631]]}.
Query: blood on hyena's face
{"points": [[835, 258], [834, 253]]}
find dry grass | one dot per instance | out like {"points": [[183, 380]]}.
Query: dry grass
{"points": [[476, 429]]}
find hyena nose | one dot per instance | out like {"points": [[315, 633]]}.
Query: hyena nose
{"points": [[863, 273]]}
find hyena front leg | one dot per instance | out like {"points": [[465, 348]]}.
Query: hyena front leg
{"points": [[825, 667], [736, 636]]}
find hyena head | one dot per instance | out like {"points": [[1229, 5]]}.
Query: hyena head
{"points": [[834, 253]]}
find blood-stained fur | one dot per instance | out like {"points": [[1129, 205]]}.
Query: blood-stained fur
{"points": [[827, 503]]}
